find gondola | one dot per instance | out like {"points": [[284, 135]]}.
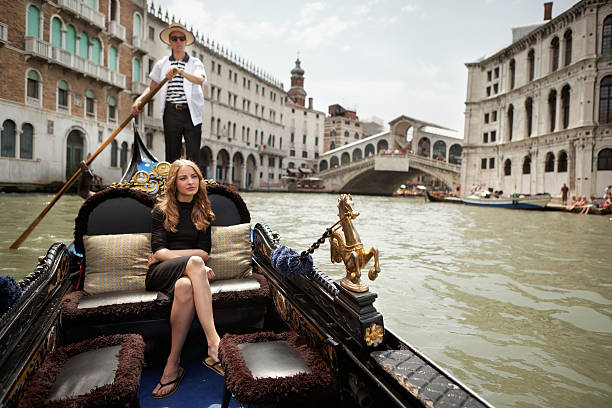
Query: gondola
{"points": [[441, 199], [353, 359]]}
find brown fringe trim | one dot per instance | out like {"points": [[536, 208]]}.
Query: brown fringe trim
{"points": [[80, 223], [259, 296], [121, 393], [72, 315], [240, 382], [245, 216]]}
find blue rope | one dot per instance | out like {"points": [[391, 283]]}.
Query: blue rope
{"points": [[286, 261], [10, 293]]}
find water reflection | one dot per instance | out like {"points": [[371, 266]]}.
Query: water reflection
{"points": [[516, 304]]}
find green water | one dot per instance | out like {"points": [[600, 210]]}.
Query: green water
{"points": [[516, 304]]}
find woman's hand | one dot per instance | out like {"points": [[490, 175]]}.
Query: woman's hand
{"points": [[209, 273], [152, 259]]}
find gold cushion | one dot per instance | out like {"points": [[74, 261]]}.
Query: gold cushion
{"points": [[116, 262], [230, 254]]}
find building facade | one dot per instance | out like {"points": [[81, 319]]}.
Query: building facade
{"points": [[539, 111], [342, 127], [75, 67]]}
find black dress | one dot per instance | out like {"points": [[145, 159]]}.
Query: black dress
{"points": [[162, 276]]}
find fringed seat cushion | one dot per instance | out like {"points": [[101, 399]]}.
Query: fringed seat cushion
{"points": [[104, 371], [266, 367], [79, 308]]}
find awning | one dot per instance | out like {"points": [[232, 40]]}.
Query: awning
{"points": [[292, 171], [305, 170]]}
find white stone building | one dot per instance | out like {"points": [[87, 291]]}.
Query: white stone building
{"points": [[539, 111]]}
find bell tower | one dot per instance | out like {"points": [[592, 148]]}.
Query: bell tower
{"points": [[297, 92]]}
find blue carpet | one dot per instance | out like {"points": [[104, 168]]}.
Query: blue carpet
{"points": [[201, 387]]}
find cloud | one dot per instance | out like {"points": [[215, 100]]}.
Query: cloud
{"points": [[365, 8], [309, 12], [409, 8], [319, 33]]}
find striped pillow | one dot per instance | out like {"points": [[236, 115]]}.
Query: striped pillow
{"points": [[230, 254], [116, 262]]}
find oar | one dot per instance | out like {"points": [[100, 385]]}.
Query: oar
{"points": [[67, 185]]}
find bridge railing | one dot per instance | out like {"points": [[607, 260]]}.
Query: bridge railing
{"points": [[369, 161]]}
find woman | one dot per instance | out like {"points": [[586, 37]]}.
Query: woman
{"points": [[180, 244]]}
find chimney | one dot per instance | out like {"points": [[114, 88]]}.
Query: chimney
{"points": [[548, 11], [310, 103]]}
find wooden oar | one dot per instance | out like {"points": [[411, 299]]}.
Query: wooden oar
{"points": [[67, 185]]}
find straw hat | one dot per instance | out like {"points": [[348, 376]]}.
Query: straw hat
{"points": [[164, 35]]}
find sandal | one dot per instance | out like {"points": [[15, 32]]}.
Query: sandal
{"points": [[176, 382], [214, 365]]}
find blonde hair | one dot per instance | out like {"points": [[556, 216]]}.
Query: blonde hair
{"points": [[201, 214]]}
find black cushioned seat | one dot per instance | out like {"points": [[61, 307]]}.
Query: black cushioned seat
{"points": [[104, 371], [264, 368]]}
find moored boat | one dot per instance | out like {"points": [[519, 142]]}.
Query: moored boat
{"points": [[368, 364], [441, 198], [523, 202]]}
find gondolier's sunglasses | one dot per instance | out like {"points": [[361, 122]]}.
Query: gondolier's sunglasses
{"points": [[177, 38]]}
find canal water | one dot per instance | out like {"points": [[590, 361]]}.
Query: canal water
{"points": [[516, 304]]}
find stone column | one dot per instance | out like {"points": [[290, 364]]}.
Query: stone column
{"points": [[213, 169], [243, 177]]}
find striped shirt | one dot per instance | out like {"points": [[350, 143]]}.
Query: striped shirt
{"points": [[176, 93]]}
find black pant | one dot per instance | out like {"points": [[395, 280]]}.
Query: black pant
{"points": [[177, 123]]}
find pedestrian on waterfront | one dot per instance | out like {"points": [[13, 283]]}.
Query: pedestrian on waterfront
{"points": [[564, 191], [607, 193], [180, 245], [182, 97]]}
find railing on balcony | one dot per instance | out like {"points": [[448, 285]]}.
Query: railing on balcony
{"points": [[84, 11], [42, 49], [152, 122], [141, 44], [116, 30], [271, 151], [138, 87], [3, 33]]}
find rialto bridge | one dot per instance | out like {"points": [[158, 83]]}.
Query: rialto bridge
{"points": [[379, 164]]}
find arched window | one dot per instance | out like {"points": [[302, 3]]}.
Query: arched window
{"points": [[345, 158], [112, 58], [137, 26], [33, 22], [26, 141], [334, 162], [527, 165], [113, 153], [112, 109], [567, 39], [323, 165], [508, 167], [74, 152], [510, 121], [123, 155], [96, 51], [7, 142], [531, 64], [554, 53], [549, 163], [149, 140], [604, 159], [346, 133], [552, 109], [332, 145], [454, 154], [212, 125], [512, 73], [439, 150], [356, 136], [84, 45], [424, 146], [90, 103], [382, 145], [565, 105], [63, 92], [136, 70], [605, 100], [114, 11], [56, 32], [70, 39], [356, 155], [529, 115], [33, 87], [606, 40], [562, 162], [333, 133], [369, 150]]}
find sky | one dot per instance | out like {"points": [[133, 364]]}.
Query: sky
{"points": [[382, 58]]}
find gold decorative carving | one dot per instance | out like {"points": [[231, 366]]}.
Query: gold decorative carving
{"points": [[153, 182], [374, 335], [350, 250]]}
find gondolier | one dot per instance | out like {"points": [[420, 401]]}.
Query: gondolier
{"points": [[182, 98]]}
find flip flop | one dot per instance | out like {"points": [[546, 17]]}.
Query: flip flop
{"points": [[176, 382], [214, 365]]}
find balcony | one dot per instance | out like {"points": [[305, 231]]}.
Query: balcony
{"points": [[116, 30], [3, 33], [141, 44], [42, 49], [151, 122], [84, 11], [138, 87], [271, 151]]}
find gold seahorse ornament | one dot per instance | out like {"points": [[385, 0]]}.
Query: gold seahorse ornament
{"points": [[349, 249]]}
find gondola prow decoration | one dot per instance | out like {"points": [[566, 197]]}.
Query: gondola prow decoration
{"points": [[145, 100]]}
